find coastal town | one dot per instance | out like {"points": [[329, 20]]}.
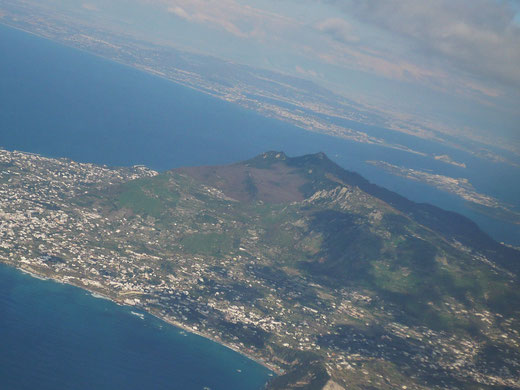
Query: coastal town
{"points": [[236, 272]]}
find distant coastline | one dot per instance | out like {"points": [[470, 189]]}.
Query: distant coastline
{"points": [[148, 71], [500, 228]]}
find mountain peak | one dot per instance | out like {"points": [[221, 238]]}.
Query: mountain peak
{"points": [[320, 156], [307, 267], [273, 177], [266, 159], [274, 155]]}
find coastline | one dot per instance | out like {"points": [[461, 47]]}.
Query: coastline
{"points": [[148, 71], [274, 369], [208, 92], [101, 295]]}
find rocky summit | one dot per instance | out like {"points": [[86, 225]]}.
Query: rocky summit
{"points": [[331, 281]]}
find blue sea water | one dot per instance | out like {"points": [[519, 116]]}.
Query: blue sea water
{"points": [[55, 336], [61, 102]]}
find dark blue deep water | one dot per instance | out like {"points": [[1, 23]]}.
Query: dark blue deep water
{"points": [[62, 102]]}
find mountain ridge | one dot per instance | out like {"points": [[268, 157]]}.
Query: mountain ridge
{"points": [[455, 225], [286, 259]]}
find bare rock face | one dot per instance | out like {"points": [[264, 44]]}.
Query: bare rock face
{"points": [[331, 385]]}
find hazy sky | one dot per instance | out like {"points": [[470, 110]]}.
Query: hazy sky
{"points": [[456, 61]]}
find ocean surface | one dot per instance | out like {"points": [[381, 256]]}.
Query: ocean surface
{"points": [[55, 336], [61, 102]]}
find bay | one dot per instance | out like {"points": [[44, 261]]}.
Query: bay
{"points": [[62, 102]]}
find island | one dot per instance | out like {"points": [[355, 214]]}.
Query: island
{"points": [[311, 270], [460, 187]]}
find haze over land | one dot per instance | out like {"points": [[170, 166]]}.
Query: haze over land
{"points": [[449, 75]]}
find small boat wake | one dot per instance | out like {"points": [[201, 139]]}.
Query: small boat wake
{"points": [[140, 315]]}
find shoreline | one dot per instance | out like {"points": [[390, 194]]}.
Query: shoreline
{"points": [[274, 370], [208, 92], [148, 71], [100, 295]]}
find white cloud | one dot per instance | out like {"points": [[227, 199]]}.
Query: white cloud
{"points": [[338, 29], [463, 47], [307, 72], [478, 37], [89, 7], [232, 16], [179, 12]]}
